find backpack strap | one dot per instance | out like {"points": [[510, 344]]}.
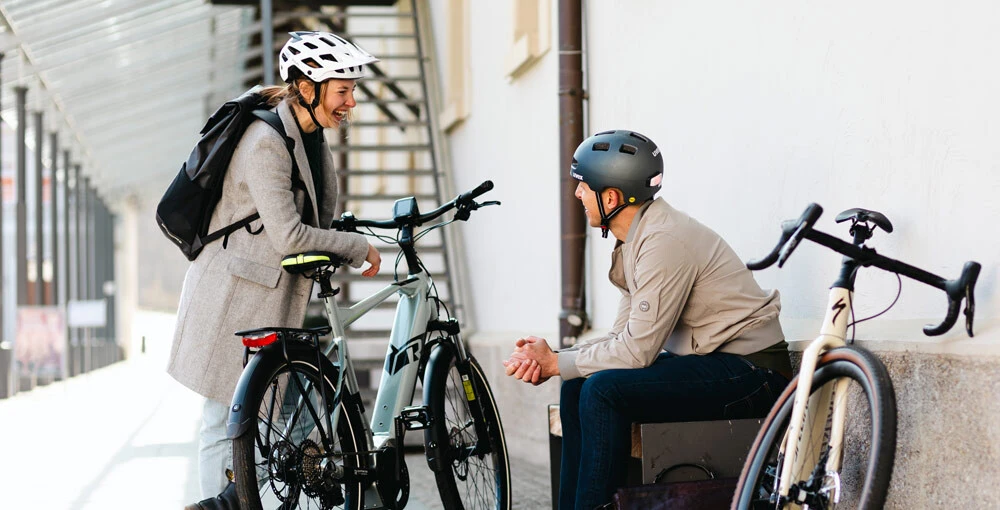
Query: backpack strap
{"points": [[272, 119]]}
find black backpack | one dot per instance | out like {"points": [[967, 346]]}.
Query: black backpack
{"points": [[186, 208]]}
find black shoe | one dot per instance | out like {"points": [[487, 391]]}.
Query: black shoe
{"points": [[226, 500]]}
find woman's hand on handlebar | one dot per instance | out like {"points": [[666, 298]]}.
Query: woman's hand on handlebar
{"points": [[375, 259]]}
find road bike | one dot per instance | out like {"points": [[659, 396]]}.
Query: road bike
{"points": [[301, 436], [798, 458]]}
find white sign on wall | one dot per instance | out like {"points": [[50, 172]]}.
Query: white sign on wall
{"points": [[87, 314]]}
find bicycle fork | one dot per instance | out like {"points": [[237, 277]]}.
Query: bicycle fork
{"points": [[811, 422]]}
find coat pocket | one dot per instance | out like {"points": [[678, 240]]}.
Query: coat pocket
{"points": [[257, 273]]}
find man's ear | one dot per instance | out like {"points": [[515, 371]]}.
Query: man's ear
{"points": [[613, 199]]}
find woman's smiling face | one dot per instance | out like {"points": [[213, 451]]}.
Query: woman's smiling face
{"points": [[337, 101]]}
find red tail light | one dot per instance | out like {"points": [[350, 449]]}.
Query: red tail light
{"points": [[260, 340]]}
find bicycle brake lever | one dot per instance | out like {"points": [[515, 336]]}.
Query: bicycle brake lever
{"points": [[970, 310], [484, 204]]}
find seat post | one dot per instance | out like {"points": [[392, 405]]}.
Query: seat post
{"points": [[326, 290]]}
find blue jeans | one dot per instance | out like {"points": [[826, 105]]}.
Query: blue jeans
{"points": [[597, 413]]}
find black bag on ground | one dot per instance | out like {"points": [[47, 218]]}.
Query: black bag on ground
{"points": [[185, 210]]}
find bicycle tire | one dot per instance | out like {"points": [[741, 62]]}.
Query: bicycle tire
{"points": [[252, 461], [485, 482], [874, 472]]}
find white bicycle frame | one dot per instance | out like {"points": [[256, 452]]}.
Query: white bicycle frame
{"points": [[406, 343], [799, 453]]}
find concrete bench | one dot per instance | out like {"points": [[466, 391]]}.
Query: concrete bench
{"points": [[721, 446]]}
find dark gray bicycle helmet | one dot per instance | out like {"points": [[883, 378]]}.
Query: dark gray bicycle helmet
{"points": [[620, 159]]}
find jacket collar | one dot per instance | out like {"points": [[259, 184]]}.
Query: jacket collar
{"points": [[299, 151], [637, 219]]}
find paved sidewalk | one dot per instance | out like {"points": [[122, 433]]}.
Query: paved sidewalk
{"points": [[125, 437]]}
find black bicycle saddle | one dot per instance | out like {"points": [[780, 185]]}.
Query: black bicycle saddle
{"points": [[858, 214]]}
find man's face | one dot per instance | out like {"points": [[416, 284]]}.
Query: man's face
{"points": [[589, 200]]}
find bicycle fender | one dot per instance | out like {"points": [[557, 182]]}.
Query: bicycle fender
{"points": [[437, 366], [253, 381]]}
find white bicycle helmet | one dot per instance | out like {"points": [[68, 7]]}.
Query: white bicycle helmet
{"points": [[321, 56]]}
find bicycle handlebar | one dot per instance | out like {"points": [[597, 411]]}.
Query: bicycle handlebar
{"points": [[465, 203], [961, 288]]}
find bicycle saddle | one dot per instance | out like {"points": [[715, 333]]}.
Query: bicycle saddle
{"points": [[310, 261], [861, 215]]}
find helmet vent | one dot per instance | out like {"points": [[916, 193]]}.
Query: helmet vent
{"points": [[310, 62], [602, 146], [293, 50], [628, 149], [311, 46], [324, 39], [284, 57], [605, 133], [329, 57], [637, 135]]}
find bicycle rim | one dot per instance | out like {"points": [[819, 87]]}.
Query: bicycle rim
{"points": [[282, 462], [870, 439]]}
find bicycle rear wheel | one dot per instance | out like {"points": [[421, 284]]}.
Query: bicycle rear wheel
{"points": [[285, 461], [470, 480], [870, 440]]}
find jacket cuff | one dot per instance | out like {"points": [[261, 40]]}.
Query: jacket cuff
{"points": [[567, 364], [360, 251]]}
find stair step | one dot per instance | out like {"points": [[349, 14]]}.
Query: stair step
{"points": [[351, 37], [418, 102], [399, 57], [390, 196], [409, 123], [393, 79], [352, 14], [369, 334], [376, 148], [383, 276], [379, 172]]}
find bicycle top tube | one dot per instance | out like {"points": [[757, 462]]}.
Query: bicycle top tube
{"points": [[958, 289]]}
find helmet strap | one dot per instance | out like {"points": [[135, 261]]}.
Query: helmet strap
{"points": [[311, 108], [606, 218]]}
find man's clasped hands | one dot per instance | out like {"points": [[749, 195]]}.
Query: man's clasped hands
{"points": [[532, 361]]}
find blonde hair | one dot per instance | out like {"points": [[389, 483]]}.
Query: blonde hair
{"points": [[275, 94]]}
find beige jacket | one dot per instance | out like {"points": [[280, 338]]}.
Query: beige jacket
{"points": [[242, 286], [683, 290]]}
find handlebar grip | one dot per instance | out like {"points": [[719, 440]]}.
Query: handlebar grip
{"points": [[471, 195], [791, 233], [962, 288]]}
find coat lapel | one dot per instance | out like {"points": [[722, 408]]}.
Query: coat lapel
{"points": [[299, 152]]}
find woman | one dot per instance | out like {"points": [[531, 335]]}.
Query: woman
{"points": [[238, 284]]}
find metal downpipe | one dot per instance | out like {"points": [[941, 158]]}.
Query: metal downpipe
{"points": [[573, 318]]}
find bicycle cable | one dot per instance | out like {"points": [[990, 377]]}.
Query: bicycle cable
{"points": [[853, 325]]}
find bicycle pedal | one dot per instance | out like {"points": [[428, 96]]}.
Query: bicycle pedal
{"points": [[415, 417]]}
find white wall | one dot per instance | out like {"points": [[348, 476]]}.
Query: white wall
{"points": [[760, 108], [511, 136]]}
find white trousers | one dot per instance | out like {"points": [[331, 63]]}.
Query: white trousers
{"points": [[215, 451]]}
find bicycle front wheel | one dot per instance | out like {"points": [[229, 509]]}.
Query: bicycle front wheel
{"points": [[868, 453], [477, 473], [290, 459]]}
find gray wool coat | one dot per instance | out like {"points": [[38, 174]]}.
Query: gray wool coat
{"points": [[242, 286]]}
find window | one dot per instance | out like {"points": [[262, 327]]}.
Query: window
{"points": [[532, 33], [456, 86]]}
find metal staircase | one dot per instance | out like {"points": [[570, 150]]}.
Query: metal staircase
{"points": [[391, 150]]}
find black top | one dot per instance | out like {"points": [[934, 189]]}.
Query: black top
{"points": [[313, 145]]}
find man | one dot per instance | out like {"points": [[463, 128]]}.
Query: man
{"points": [[684, 291]]}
